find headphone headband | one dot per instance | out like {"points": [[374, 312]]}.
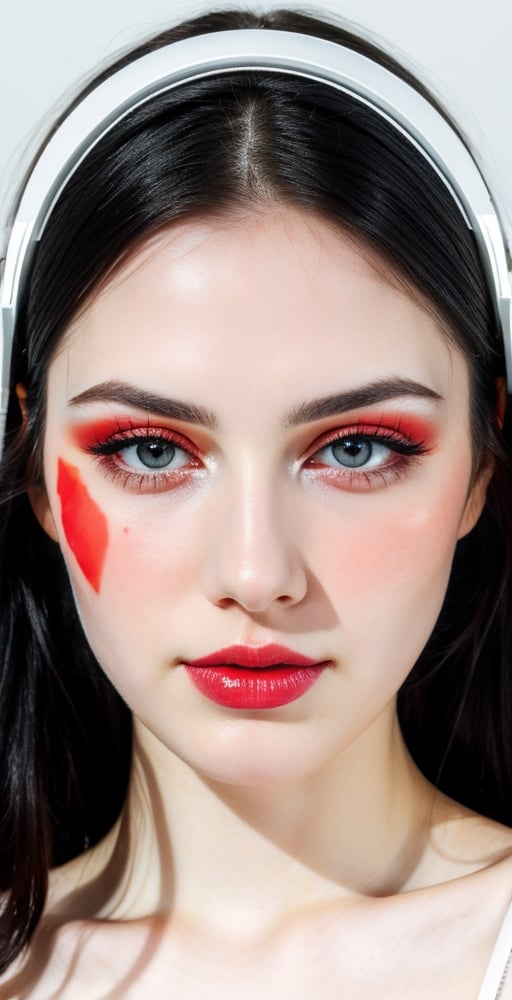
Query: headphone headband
{"points": [[251, 49]]}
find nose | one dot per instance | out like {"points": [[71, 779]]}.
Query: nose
{"points": [[253, 554]]}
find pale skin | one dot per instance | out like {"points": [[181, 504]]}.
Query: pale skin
{"points": [[295, 851]]}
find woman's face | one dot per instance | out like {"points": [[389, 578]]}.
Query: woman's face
{"points": [[254, 438]]}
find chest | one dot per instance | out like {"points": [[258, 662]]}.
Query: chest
{"points": [[146, 962]]}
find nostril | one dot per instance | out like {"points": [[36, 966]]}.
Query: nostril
{"points": [[225, 602]]}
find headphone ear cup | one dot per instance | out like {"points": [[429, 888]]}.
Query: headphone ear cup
{"points": [[219, 52]]}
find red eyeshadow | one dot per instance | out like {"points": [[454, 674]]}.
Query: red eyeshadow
{"points": [[88, 435], [411, 426], [85, 525]]}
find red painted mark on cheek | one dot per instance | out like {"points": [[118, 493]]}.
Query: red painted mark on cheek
{"points": [[85, 525]]}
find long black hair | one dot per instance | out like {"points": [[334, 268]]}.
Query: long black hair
{"points": [[222, 144]]}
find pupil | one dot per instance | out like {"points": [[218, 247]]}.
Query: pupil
{"points": [[352, 453], [155, 454]]}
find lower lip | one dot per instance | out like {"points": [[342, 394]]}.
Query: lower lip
{"points": [[254, 687]]}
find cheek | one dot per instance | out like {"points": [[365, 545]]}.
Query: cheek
{"points": [[153, 559], [386, 568], [149, 582], [407, 532], [83, 522]]}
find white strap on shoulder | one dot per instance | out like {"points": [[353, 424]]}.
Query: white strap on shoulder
{"points": [[500, 962]]}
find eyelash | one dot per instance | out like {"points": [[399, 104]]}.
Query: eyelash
{"points": [[403, 453]]}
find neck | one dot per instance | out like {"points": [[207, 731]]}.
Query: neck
{"points": [[186, 844]]}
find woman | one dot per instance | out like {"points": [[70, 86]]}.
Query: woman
{"points": [[256, 495]]}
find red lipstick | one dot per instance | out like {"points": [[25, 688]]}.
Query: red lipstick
{"points": [[254, 677]]}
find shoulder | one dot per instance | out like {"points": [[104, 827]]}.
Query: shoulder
{"points": [[75, 893], [463, 901], [71, 960]]}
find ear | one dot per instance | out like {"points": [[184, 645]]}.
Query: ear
{"points": [[475, 501], [37, 495], [41, 507], [478, 494], [501, 400], [21, 394]]}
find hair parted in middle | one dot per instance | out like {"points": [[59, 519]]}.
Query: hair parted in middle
{"points": [[230, 145]]}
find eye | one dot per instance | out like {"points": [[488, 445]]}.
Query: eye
{"points": [[145, 459], [153, 454], [362, 458], [354, 452]]}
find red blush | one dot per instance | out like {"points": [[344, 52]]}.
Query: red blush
{"points": [[85, 525]]}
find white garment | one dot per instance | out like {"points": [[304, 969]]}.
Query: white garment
{"points": [[500, 962]]}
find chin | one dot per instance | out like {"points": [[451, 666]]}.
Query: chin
{"points": [[258, 754]]}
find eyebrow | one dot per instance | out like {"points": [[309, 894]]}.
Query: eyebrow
{"points": [[328, 406], [354, 399], [141, 399]]}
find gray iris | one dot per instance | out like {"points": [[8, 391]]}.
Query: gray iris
{"points": [[156, 454], [352, 452]]}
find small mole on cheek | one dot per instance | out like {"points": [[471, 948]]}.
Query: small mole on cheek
{"points": [[125, 530], [84, 524]]}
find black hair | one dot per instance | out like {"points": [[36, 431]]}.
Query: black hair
{"points": [[219, 145]]}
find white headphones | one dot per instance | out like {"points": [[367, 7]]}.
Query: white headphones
{"points": [[248, 50]]}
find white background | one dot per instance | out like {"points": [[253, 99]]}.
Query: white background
{"points": [[462, 48]]}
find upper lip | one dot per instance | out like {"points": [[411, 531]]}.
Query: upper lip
{"points": [[271, 655]]}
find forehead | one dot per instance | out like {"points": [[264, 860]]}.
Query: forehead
{"points": [[277, 293]]}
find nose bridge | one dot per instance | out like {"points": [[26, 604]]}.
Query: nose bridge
{"points": [[253, 558]]}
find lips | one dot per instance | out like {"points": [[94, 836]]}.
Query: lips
{"points": [[254, 677]]}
